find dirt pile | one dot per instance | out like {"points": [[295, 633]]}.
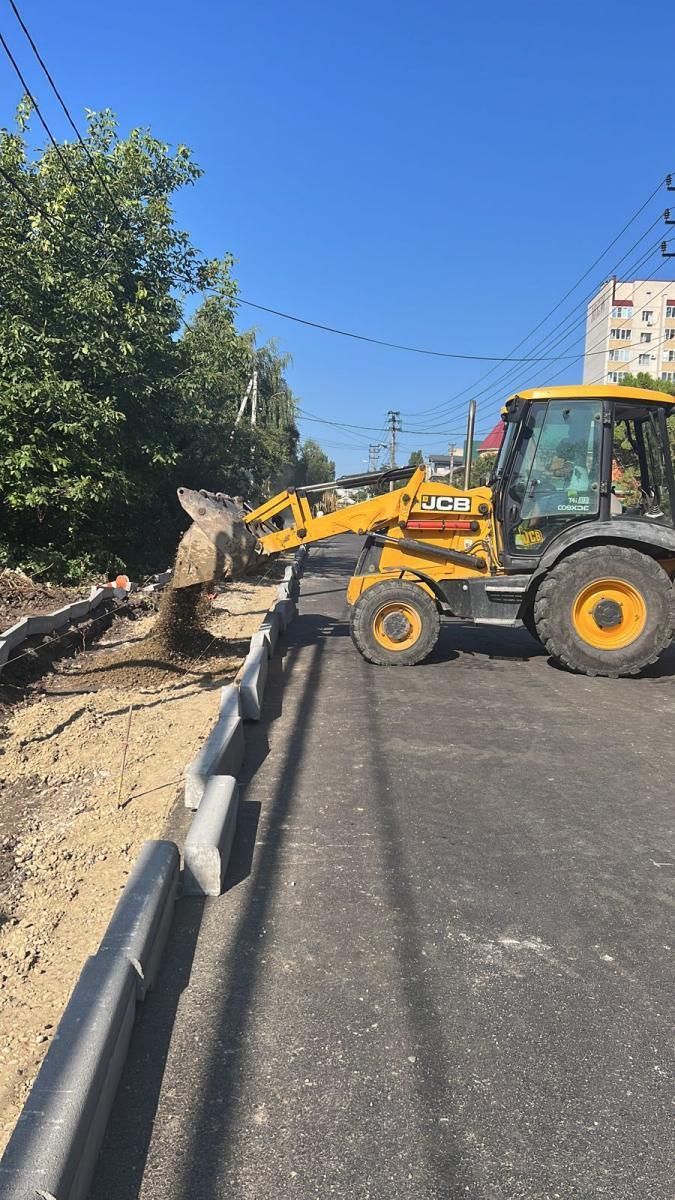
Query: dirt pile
{"points": [[182, 617], [182, 642]]}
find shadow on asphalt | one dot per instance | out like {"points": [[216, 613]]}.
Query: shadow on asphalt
{"points": [[122, 1161], [119, 1171]]}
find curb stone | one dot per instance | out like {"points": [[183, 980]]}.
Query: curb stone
{"points": [[223, 751], [140, 923], [253, 680], [210, 836], [53, 1149], [285, 610]]}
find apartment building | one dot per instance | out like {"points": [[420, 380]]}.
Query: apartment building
{"points": [[630, 327]]}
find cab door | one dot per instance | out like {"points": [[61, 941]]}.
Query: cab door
{"points": [[555, 473]]}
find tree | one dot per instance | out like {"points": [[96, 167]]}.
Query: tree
{"points": [[218, 451], [624, 452], [313, 465], [416, 459], [104, 409]]}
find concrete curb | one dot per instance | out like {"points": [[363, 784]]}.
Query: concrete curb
{"points": [[223, 750], [209, 839], [140, 923], [211, 776], [46, 623], [252, 684], [269, 629], [54, 1146], [285, 610], [289, 589], [53, 1149]]}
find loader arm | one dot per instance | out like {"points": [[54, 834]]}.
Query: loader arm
{"points": [[388, 509]]}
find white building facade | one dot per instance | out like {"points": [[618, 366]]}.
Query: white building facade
{"points": [[630, 327]]}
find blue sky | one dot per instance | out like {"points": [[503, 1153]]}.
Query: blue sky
{"points": [[437, 174]]}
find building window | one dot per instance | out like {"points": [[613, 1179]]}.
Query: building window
{"points": [[668, 376], [670, 311], [622, 312], [643, 360], [646, 337], [623, 335], [647, 315], [670, 334], [616, 376], [618, 356], [669, 355]]}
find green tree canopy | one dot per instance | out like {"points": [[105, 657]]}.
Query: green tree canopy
{"points": [[416, 459], [314, 466], [104, 408]]}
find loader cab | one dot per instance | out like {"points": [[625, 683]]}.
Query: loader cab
{"points": [[571, 456]]}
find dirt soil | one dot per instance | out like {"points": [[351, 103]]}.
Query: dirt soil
{"points": [[21, 596], [71, 826]]}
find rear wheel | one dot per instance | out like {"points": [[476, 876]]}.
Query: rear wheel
{"points": [[606, 610], [395, 623]]}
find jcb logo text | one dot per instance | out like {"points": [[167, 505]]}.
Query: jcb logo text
{"points": [[456, 504]]}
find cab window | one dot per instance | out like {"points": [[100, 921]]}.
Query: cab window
{"points": [[556, 477]]}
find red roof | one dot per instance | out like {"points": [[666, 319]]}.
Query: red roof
{"points": [[494, 438], [670, 302], [622, 303]]}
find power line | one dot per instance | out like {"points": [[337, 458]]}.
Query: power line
{"points": [[362, 337], [66, 110], [36, 106], [30, 201], [543, 341], [506, 381]]}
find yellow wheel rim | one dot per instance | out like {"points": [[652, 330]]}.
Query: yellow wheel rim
{"points": [[397, 626], [609, 614]]}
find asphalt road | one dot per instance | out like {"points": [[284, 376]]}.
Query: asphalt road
{"points": [[441, 969]]}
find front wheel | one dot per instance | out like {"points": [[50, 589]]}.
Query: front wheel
{"points": [[395, 623], [605, 610]]}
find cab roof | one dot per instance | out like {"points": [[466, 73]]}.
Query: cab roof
{"points": [[595, 391]]}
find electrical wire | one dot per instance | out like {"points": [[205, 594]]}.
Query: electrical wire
{"points": [[505, 383], [443, 405], [362, 337], [66, 110], [38, 110]]}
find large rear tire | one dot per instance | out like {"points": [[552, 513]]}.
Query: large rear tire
{"points": [[605, 610], [395, 623]]}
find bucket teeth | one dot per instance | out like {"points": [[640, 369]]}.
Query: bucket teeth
{"points": [[217, 545]]}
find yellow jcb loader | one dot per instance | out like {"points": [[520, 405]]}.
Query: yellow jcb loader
{"points": [[563, 540]]}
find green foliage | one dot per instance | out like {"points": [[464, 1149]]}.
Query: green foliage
{"points": [[313, 465], [481, 469], [416, 459], [628, 488], [104, 409]]}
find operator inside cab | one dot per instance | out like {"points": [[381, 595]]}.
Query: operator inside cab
{"points": [[564, 485]]}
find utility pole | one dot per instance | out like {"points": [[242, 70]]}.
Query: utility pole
{"points": [[373, 454], [451, 449], [254, 397], [394, 427], [468, 445]]}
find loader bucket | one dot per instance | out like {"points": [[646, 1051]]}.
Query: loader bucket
{"points": [[218, 545]]}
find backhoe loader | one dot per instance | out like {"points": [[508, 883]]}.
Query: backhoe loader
{"points": [[549, 543]]}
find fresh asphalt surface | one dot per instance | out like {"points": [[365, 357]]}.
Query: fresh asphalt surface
{"points": [[441, 969]]}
